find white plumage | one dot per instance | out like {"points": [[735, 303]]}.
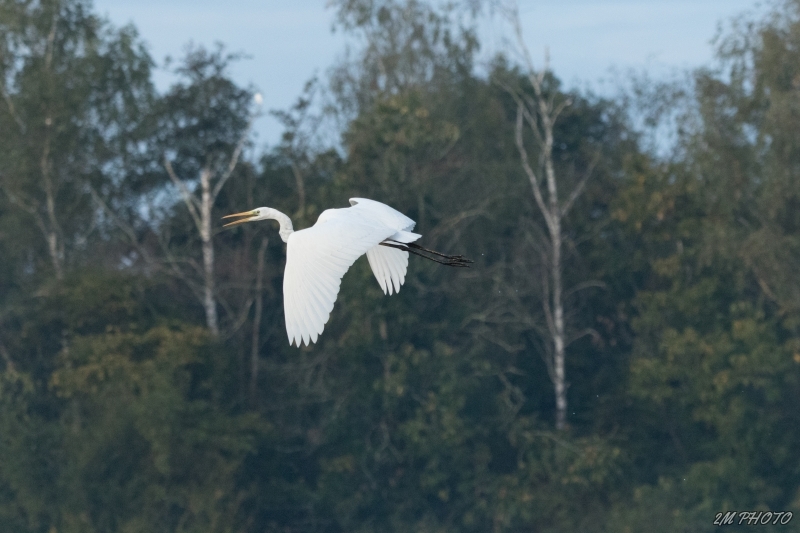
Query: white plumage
{"points": [[318, 257]]}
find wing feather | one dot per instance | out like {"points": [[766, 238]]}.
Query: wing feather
{"points": [[298, 324], [316, 260], [398, 266], [292, 320], [388, 215], [379, 268], [320, 308], [316, 313], [389, 266]]}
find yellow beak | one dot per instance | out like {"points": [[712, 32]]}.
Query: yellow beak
{"points": [[248, 214]]}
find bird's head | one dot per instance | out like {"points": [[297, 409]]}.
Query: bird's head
{"points": [[263, 213]]}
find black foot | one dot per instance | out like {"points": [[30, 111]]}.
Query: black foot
{"points": [[448, 260]]}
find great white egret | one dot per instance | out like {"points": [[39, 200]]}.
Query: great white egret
{"points": [[317, 257]]}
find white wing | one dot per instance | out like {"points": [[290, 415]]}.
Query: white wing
{"points": [[387, 215], [389, 266], [316, 260]]}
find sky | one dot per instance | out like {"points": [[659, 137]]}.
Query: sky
{"points": [[289, 41]]}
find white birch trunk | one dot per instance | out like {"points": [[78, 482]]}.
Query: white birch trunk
{"points": [[200, 211], [540, 112], [209, 298], [55, 246], [559, 345]]}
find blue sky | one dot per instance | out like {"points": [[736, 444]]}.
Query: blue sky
{"points": [[288, 41]]}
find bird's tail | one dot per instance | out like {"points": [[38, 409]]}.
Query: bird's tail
{"points": [[404, 237]]}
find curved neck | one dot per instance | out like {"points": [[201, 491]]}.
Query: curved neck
{"points": [[284, 221]]}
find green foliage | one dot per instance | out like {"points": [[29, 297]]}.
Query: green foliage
{"points": [[714, 365], [203, 116], [149, 431], [74, 91], [430, 410], [139, 431]]}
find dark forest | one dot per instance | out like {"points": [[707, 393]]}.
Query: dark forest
{"points": [[146, 381]]}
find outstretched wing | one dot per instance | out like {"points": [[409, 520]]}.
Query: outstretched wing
{"points": [[316, 260], [389, 266], [388, 215]]}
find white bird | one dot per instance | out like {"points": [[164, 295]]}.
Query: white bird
{"points": [[317, 258]]}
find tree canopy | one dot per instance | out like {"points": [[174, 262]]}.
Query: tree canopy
{"points": [[123, 410]]}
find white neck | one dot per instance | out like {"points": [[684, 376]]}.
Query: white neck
{"points": [[284, 221]]}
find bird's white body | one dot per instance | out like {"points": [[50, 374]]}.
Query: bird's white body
{"points": [[317, 258]]}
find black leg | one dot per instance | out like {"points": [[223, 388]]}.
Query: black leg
{"points": [[449, 260]]}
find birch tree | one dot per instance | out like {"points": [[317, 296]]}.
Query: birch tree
{"points": [[71, 91], [537, 112], [208, 122]]}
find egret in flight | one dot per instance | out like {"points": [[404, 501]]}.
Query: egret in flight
{"points": [[317, 257]]}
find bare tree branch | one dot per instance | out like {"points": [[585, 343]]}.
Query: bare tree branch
{"points": [[529, 114], [241, 318], [446, 226], [121, 224], [576, 192], [529, 171], [560, 107], [545, 353], [583, 333], [188, 198], [234, 157], [301, 188], [22, 204], [172, 262], [7, 358], [11, 110], [51, 37], [585, 285], [30, 209], [514, 396]]}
